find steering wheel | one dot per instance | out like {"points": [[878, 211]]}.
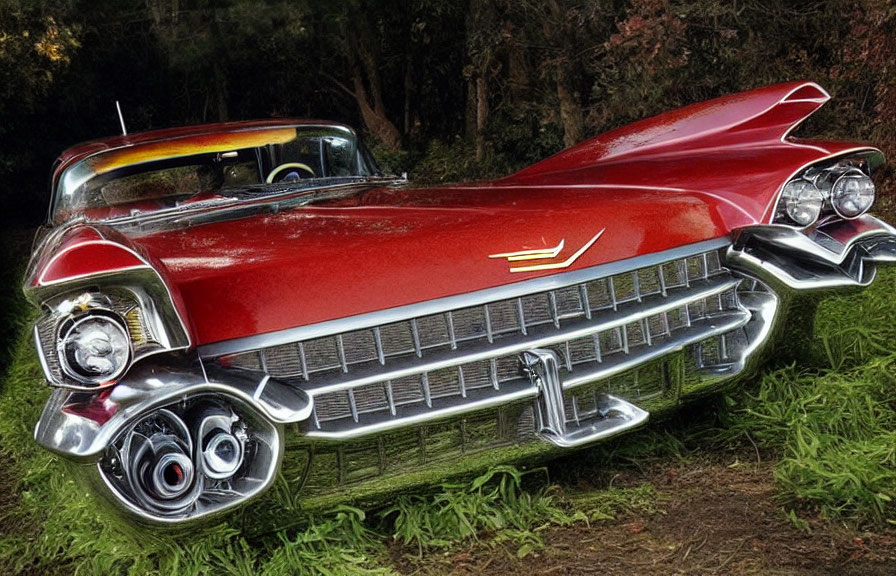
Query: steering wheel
{"points": [[273, 173]]}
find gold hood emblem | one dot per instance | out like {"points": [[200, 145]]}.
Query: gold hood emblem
{"points": [[545, 254]]}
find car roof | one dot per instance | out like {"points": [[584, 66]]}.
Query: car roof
{"points": [[199, 135]]}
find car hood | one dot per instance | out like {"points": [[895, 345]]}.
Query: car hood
{"points": [[385, 248]]}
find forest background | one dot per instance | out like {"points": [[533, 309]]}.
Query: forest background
{"points": [[443, 89]]}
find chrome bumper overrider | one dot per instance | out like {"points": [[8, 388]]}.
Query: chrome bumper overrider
{"points": [[839, 254], [447, 386]]}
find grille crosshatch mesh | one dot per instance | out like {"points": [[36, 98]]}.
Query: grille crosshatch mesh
{"points": [[461, 356]]}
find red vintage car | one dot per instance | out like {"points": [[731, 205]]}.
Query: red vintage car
{"points": [[224, 303]]}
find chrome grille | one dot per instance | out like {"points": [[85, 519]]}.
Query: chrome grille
{"points": [[464, 359], [420, 337], [475, 325]]}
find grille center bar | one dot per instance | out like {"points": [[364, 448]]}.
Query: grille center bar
{"points": [[613, 416]]}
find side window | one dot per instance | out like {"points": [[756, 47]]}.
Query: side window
{"points": [[340, 157]]}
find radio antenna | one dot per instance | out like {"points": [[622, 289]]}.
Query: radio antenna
{"points": [[124, 131]]}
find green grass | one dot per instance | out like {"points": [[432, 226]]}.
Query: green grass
{"points": [[832, 425], [493, 503]]}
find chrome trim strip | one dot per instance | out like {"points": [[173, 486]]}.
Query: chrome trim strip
{"points": [[653, 352], [519, 345], [426, 415], [766, 269], [79, 438], [440, 305], [791, 246], [789, 238]]}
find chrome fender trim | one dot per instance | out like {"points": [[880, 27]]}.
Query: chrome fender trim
{"points": [[65, 428], [840, 253]]}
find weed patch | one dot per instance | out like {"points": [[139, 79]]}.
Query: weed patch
{"points": [[493, 503], [833, 425]]}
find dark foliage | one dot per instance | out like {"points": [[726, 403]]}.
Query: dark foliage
{"points": [[448, 90]]}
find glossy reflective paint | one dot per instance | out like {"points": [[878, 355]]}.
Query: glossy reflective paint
{"points": [[78, 252], [755, 118], [88, 259], [266, 273]]}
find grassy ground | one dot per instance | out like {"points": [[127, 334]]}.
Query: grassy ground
{"points": [[804, 457]]}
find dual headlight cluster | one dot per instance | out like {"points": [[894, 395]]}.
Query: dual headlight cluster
{"points": [[842, 189], [197, 456]]}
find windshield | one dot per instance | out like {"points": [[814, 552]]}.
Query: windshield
{"points": [[149, 177]]}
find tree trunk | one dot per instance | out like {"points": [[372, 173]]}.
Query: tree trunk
{"points": [[374, 116], [220, 90], [559, 35], [571, 114], [481, 112], [408, 91], [470, 110], [518, 72]]}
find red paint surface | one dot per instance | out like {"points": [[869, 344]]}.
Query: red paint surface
{"points": [[758, 117], [87, 258], [689, 175], [272, 272]]}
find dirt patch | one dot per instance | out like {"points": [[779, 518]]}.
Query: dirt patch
{"points": [[716, 518]]}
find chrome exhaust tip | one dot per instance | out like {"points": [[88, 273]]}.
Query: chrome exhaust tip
{"points": [[159, 466], [220, 444], [171, 476]]}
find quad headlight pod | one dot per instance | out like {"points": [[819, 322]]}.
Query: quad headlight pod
{"points": [[194, 457], [94, 349], [843, 189]]}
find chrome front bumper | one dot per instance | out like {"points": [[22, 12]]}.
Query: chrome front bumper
{"points": [[409, 395]]}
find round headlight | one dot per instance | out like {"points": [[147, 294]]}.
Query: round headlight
{"points": [[94, 349], [852, 194], [802, 201]]}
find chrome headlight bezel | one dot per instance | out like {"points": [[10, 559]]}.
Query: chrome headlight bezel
{"points": [[840, 196], [120, 352], [139, 301], [826, 176], [802, 201]]}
